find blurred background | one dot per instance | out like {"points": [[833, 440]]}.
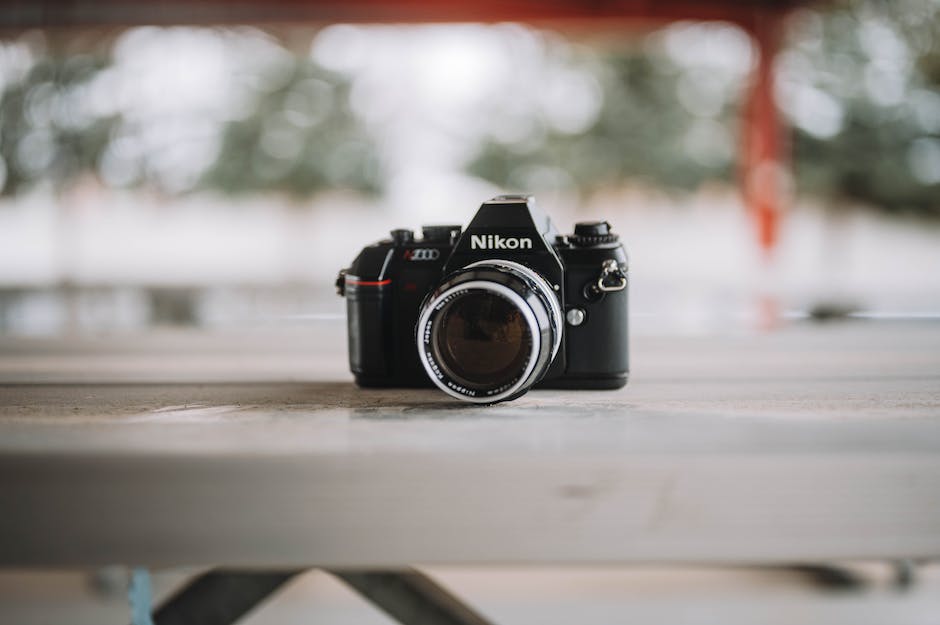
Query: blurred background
{"points": [[216, 178], [220, 176]]}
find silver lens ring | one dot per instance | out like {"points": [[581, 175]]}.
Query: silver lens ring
{"points": [[521, 288], [438, 374]]}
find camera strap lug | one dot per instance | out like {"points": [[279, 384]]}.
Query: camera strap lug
{"points": [[613, 277], [341, 282]]}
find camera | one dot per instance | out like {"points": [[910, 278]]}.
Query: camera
{"points": [[488, 312]]}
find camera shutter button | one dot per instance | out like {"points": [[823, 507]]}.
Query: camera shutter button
{"points": [[402, 236]]}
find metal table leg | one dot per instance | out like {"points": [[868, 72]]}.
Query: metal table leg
{"points": [[410, 597], [222, 596]]}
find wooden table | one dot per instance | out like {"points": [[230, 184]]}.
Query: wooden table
{"points": [[814, 443]]}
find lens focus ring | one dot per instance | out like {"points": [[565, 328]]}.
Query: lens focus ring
{"points": [[489, 331]]}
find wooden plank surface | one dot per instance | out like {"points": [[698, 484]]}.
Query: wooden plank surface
{"points": [[181, 448]]}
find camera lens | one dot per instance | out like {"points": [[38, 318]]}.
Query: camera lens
{"points": [[489, 331], [482, 339]]}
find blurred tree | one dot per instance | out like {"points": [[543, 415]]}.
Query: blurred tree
{"points": [[642, 131], [44, 133], [299, 138], [863, 85], [859, 83], [66, 114]]}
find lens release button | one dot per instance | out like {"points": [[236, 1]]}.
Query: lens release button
{"points": [[575, 316]]}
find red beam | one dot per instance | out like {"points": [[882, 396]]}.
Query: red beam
{"points": [[762, 160], [57, 13]]}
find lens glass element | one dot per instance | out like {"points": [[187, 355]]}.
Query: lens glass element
{"points": [[482, 340]]}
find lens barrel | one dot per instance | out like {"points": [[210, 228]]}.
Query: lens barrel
{"points": [[489, 331]]}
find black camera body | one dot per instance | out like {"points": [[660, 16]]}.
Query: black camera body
{"points": [[489, 312]]}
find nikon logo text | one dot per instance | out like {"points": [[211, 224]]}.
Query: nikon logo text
{"points": [[497, 242]]}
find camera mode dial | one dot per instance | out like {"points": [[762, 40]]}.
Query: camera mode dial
{"points": [[590, 233]]}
